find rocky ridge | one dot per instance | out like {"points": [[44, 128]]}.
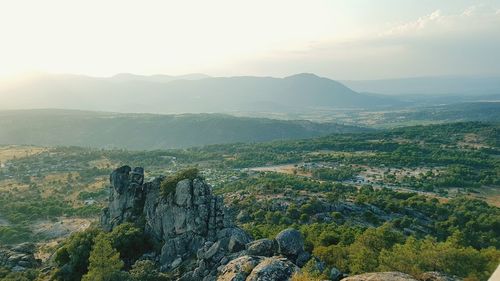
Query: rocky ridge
{"points": [[194, 231], [198, 240]]}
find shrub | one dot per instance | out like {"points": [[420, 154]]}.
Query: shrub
{"points": [[168, 185], [304, 276], [129, 241], [72, 258]]}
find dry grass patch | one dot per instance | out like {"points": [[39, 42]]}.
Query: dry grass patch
{"points": [[10, 152]]}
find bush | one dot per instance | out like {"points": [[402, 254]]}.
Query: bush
{"points": [[129, 241], [72, 258], [168, 185]]}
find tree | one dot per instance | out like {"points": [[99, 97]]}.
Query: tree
{"points": [[129, 241], [417, 256], [72, 257], [104, 261], [334, 256], [364, 252], [402, 257]]}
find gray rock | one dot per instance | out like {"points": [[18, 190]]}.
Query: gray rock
{"points": [[302, 259], [290, 243], [262, 247], [192, 227], [18, 268], [126, 197], [238, 240], [238, 269], [182, 221], [19, 257], [335, 274], [183, 193], [176, 263], [273, 269], [211, 251], [26, 248], [253, 268]]}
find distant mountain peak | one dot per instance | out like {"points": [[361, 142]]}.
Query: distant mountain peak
{"points": [[161, 78], [304, 75]]}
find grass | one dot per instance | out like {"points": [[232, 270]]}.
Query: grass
{"points": [[168, 185]]}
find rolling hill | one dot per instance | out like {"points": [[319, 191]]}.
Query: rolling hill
{"points": [[149, 131]]}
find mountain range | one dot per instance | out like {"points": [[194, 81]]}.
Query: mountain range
{"points": [[200, 93], [186, 94]]}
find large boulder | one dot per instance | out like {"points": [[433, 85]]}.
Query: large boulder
{"points": [[291, 245], [239, 269], [262, 247], [254, 268], [273, 269]]}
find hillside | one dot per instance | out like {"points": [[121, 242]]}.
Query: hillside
{"points": [[445, 85], [391, 200], [128, 93], [148, 131]]}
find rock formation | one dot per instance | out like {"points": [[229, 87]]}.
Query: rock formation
{"points": [[193, 230], [19, 257], [195, 234]]}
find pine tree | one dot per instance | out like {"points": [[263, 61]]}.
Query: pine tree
{"points": [[104, 261]]}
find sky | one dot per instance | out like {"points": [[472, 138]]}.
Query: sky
{"points": [[350, 39]]}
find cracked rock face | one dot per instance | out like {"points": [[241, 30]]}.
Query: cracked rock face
{"points": [[183, 221], [126, 197]]}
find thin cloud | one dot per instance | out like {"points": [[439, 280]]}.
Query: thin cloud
{"points": [[464, 43]]}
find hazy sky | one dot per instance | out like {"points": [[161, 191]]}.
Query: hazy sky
{"points": [[350, 39]]}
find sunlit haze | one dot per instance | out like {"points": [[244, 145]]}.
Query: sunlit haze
{"points": [[359, 39]]}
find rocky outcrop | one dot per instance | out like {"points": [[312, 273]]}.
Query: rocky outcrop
{"points": [[193, 230], [19, 257], [197, 239], [291, 245], [126, 197], [262, 247], [255, 268]]}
